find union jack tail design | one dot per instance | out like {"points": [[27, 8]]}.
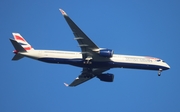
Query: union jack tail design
{"points": [[22, 41]]}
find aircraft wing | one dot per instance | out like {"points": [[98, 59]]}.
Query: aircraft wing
{"points": [[86, 75], [87, 46]]}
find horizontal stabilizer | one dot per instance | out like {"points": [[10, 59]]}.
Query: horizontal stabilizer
{"points": [[17, 57]]}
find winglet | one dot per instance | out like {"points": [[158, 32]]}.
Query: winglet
{"points": [[63, 12], [66, 84]]}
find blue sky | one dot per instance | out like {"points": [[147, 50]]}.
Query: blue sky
{"points": [[140, 27]]}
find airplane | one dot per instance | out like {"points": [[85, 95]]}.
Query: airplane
{"points": [[93, 60]]}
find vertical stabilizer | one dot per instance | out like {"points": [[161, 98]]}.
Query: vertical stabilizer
{"points": [[22, 41], [20, 45]]}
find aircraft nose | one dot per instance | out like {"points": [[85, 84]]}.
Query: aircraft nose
{"points": [[167, 66]]}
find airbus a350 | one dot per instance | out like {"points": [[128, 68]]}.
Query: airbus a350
{"points": [[93, 60]]}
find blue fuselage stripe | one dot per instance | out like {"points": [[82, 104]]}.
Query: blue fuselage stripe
{"points": [[106, 64]]}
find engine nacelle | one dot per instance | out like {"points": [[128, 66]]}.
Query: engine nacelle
{"points": [[107, 77], [106, 52]]}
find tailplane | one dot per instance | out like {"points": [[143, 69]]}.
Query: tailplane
{"points": [[17, 57]]}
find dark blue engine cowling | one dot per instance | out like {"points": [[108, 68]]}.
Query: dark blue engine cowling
{"points": [[106, 52], [107, 77]]}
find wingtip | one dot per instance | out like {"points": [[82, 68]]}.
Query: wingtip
{"points": [[66, 84], [63, 12]]}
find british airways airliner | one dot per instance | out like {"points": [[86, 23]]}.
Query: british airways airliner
{"points": [[93, 60]]}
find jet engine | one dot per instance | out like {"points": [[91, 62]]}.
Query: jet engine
{"points": [[107, 77], [106, 52]]}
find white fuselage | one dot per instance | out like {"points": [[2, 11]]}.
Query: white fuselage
{"points": [[75, 58]]}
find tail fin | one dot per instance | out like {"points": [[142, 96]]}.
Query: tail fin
{"points": [[20, 45], [22, 41]]}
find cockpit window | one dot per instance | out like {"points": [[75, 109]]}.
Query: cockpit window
{"points": [[158, 60]]}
